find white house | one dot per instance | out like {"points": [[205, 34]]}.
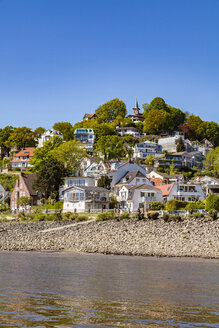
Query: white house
{"points": [[142, 149], [132, 198], [76, 181], [209, 184], [86, 137], [125, 167], [85, 199], [170, 143], [47, 135], [134, 132], [189, 192]]}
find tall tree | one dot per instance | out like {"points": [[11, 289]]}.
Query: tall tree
{"points": [[180, 146], [70, 154], [156, 120], [4, 136], [212, 161], [66, 129], [42, 154], [111, 110], [21, 138], [50, 177], [111, 147]]}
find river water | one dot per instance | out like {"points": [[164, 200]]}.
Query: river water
{"points": [[72, 290]]}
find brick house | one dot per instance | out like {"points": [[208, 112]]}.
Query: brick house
{"points": [[22, 158], [24, 188]]}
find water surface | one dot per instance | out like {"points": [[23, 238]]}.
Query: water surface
{"points": [[72, 290]]}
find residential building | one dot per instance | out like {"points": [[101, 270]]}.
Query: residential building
{"points": [[88, 117], [189, 191], [76, 181], [24, 188], [209, 184], [170, 143], [86, 137], [133, 197], [85, 199], [22, 158], [120, 171], [203, 146], [132, 178], [164, 178], [166, 160], [145, 148], [132, 131], [136, 116], [47, 135]]}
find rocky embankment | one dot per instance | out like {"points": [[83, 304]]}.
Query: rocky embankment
{"points": [[191, 237]]}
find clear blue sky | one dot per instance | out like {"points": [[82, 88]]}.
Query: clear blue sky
{"points": [[60, 59]]}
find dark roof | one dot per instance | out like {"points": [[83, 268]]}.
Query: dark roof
{"points": [[29, 179], [130, 175]]}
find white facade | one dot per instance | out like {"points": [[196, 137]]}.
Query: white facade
{"points": [[170, 144], [85, 199], [120, 171], [47, 135], [145, 148], [86, 137], [76, 181], [132, 198], [189, 192], [128, 131]]}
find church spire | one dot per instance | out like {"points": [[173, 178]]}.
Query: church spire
{"points": [[136, 108]]}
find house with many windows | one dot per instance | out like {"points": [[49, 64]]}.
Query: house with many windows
{"points": [[86, 137], [133, 197], [48, 135], [85, 199], [22, 158], [189, 192], [143, 149]]}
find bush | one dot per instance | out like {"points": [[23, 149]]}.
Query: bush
{"points": [[152, 215], [174, 205], [166, 217], [80, 218], [176, 218], [124, 216], [69, 216], [212, 202], [198, 215], [39, 217], [213, 214], [105, 216], [157, 206]]}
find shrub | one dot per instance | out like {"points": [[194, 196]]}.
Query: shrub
{"points": [[198, 215], [176, 218], [213, 214], [174, 205], [69, 216], [124, 216], [105, 216], [157, 206], [39, 217], [80, 218], [166, 217], [152, 215], [212, 202]]}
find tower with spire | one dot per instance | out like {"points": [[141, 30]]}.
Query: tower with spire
{"points": [[136, 108], [136, 116]]}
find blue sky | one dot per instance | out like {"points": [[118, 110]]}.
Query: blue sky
{"points": [[60, 59]]}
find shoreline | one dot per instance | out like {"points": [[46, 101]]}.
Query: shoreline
{"points": [[191, 238]]}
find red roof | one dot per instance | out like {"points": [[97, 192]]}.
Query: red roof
{"points": [[90, 115], [156, 181], [165, 188], [27, 152]]}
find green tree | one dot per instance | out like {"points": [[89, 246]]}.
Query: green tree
{"points": [[70, 154], [180, 146], [156, 120], [111, 147], [212, 161], [104, 182], [49, 177], [173, 169], [111, 110], [21, 138], [39, 131], [42, 154], [177, 117], [212, 202], [24, 201], [66, 129], [4, 136], [149, 160]]}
